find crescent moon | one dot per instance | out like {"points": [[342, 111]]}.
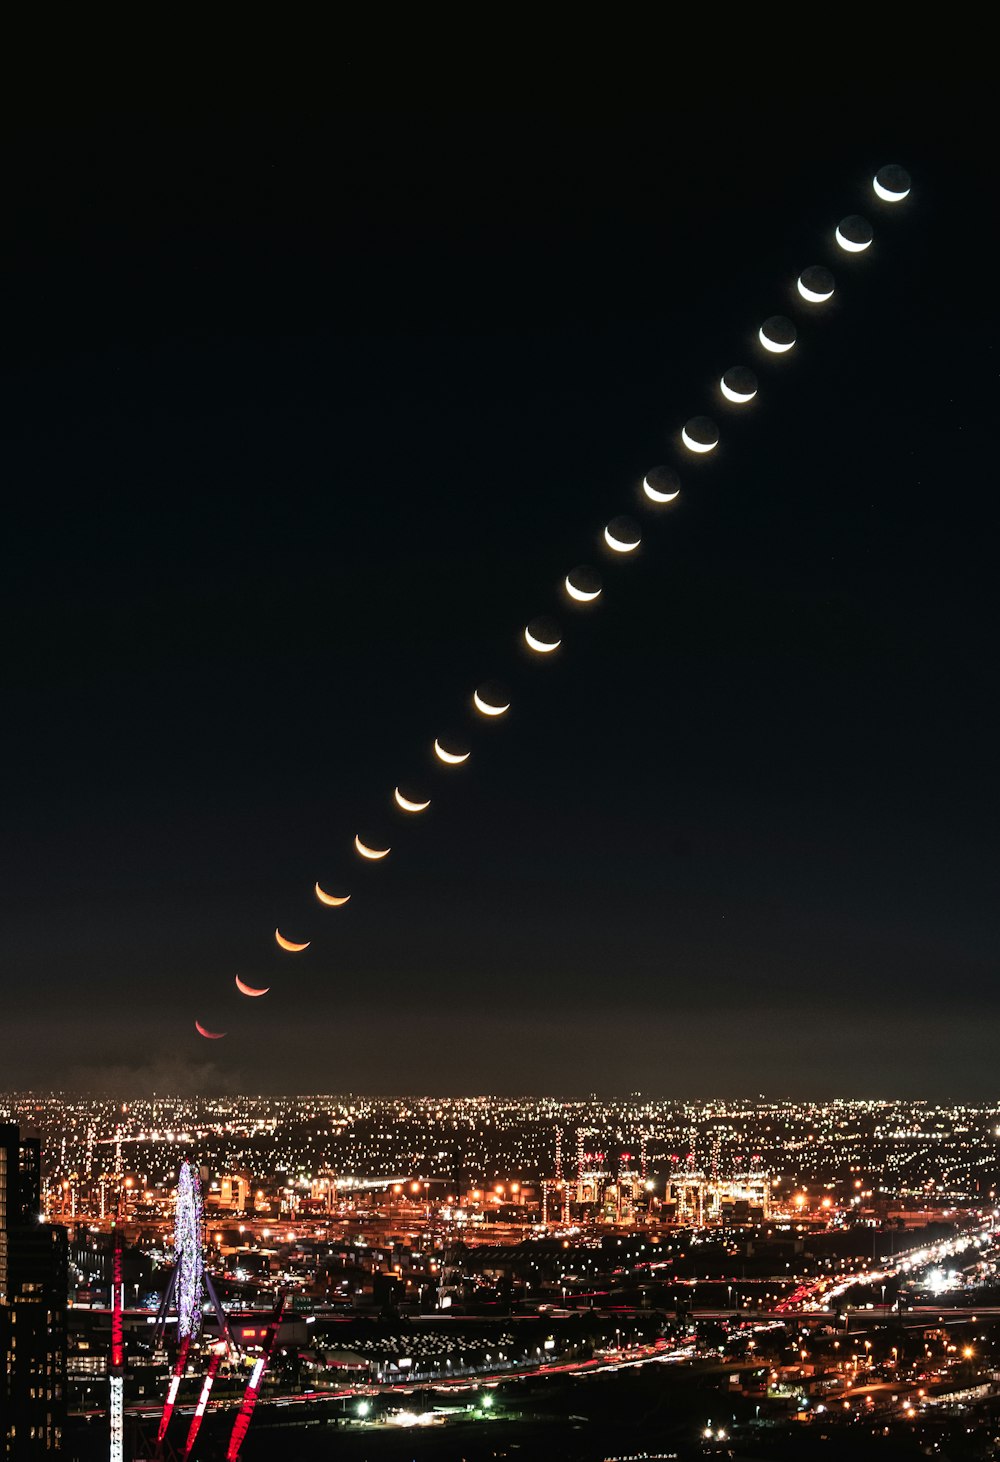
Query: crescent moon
{"points": [[373, 853], [330, 899], [890, 195], [659, 497], [246, 989], [581, 594], [209, 1035], [814, 296], [289, 944], [407, 806], [485, 706], [739, 396], [539, 645], [776, 347], [849, 245], [618, 544], [453, 758], [694, 446]]}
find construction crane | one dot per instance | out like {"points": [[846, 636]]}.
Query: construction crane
{"points": [[116, 1367], [252, 1391]]}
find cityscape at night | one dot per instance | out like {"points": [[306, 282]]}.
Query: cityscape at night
{"points": [[492, 1272], [499, 954]]}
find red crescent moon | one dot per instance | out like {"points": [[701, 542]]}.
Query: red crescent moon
{"points": [[245, 989], [209, 1035]]}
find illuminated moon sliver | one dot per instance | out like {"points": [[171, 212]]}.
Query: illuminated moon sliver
{"points": [[694, 446], [776, 347], [889, 195], [852, 246], [541, 647], [486, 708], [331, 900], [659, 497], [289, 944], [407, 805], [738, 396], [814, 296], [374, 854], [251, 990], [209, 1035], [581, 595], [619, 544], [451, 758]]}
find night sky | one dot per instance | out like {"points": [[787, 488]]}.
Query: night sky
{"points": [[304, 422]]}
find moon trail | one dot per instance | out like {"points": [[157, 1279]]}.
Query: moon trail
{"points": [[660, 485]]}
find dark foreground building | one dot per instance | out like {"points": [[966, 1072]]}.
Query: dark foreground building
{"points": [[33, 1295]]}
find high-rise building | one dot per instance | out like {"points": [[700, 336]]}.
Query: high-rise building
{"points": [[33, 1302]]}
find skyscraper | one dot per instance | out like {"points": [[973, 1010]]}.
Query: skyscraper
{"points": [[33, 1297]]}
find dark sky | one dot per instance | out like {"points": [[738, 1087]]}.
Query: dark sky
{"points": [[304, 421]]}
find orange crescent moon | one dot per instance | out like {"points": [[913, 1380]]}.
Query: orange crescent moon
{"points": [[330, 899], [246, 989], [209, 1035], [288, 944]]}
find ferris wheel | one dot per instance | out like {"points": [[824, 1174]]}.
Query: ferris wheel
{"points": [[186, 1291]]}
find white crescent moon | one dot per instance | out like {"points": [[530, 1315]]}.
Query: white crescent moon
{"points": [[452, 758], [659, 497], [485, 706], [539, 645], [740, 396], [581, 594], [618, 544], [774, 346], [849, 245], [373, 853], [694, 446], [209, 1035], [814, 296], [330, 899], [246, 989], [407, 805], [890, 195], [289, 944]]}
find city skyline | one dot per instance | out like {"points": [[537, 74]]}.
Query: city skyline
{"points": [[295, 467]]}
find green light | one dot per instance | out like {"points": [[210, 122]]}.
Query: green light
{"points": [[364, 1407], [487, 1403]]}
